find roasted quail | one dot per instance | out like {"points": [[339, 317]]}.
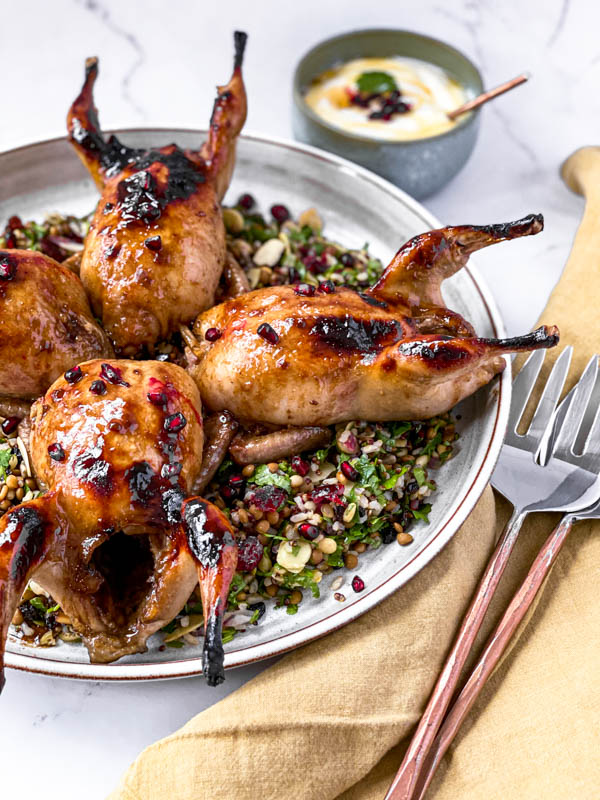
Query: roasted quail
{"points": [[117, 540], [156, 246], [46, 325], [303, 356]]}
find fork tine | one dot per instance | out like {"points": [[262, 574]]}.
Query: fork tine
{"points": [[550, 395], [549, 437], [592, 442], [566, 436], [523, 385]]}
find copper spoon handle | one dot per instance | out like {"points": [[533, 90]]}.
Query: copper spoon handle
{"points": [[407, 777], [495, 649], [489, 95]]}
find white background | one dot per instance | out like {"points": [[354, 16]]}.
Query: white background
{"points": [[159, 66]]}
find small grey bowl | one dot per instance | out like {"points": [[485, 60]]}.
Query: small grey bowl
{"points": [[421, 166]]}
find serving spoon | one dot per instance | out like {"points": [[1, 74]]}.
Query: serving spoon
{"points": [[484, 97]]}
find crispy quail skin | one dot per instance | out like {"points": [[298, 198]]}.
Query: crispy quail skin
{"points": [[156, 246], [295, 356]]}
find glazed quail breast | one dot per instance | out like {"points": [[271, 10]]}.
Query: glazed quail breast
{"points": [[301, 355]]}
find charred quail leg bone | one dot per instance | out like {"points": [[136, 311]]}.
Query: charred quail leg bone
{"points": [[27, 533], [219, 430], [84, 128], [211, 541], [227, 120], [417, 270], [433, 373], [247, 449]]}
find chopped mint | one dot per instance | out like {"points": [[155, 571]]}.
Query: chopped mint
{"points": [[264, 477], [5, 456], [302, 579], [419, 475], [237, 584], [422, 513], [228, 634], [335, 559], [368, 473], [38, 604]]}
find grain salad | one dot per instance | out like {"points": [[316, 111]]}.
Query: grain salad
{"points": [[300, 519]]}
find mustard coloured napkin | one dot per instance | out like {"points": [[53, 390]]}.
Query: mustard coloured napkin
{"points": [[332, 719]]}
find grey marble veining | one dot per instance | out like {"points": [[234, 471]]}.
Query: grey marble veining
{"points": [[159, 66]]}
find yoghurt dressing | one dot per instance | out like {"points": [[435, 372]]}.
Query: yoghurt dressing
{"points": [[428, 89]]}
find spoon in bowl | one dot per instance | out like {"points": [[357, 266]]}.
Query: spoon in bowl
{"points": [[489, 95]]}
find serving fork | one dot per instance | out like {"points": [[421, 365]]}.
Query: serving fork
{"points": [[566, 482]]}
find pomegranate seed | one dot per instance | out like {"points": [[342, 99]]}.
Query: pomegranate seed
{"points": [[308, 531], [15, 223], [8, 267], [414, 504], [267, 333], [327, 286], [358, 584], [347, 260], [153, 243], [157, 398], [280, 213], [56, 452], [305, 289], [246, 201], [98, 387], [250, 552], [349, 471], [73, 375], [112, 375], [301, 466], [212, 334], [10, 424], [175, 422]]}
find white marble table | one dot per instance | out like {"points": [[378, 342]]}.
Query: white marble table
{"points": [[159, 67]]}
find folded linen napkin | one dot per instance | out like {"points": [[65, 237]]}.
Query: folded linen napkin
{"points": [[332, 719]]}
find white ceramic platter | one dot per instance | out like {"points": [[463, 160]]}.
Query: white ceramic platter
{"points": [[356, 206]]}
